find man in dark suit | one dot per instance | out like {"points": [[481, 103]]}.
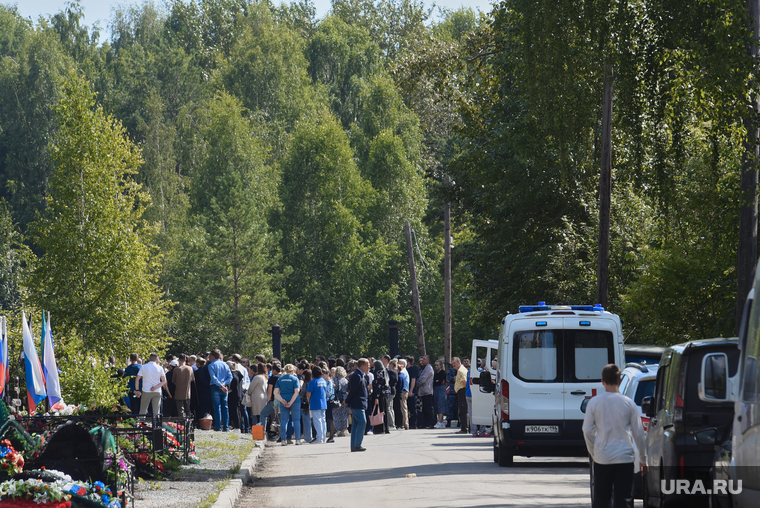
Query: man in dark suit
{"points": [[356, 400]]}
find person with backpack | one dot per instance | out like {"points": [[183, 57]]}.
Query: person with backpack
{"points": [[340, 414], [379, 398]]}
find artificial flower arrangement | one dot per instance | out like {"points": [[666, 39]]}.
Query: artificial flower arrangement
{"points": [[118, 470], [33, 492], [11, 461], [60, 492]]}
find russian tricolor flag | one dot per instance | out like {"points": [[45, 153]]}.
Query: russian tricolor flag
{"points": [[50, 367], [3, 355], [35, 380]]}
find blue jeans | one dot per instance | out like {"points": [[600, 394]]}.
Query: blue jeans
{"points": [[266, 412], [286, 415], [245, 424], [357, 427], [221, 411], [318, 417], [306, 425]]}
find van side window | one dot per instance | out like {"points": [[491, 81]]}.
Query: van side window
{"points": [[660, 390], [591, 351], [751, 370], [536, 356], [670, 388]]}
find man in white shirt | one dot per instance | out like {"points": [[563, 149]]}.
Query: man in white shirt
{"points": [[611, 425], [153, 379]]}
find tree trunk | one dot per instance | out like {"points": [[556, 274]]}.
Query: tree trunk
{"points": [[605, 192], [747, 250], [415, 292], [447, 284]]}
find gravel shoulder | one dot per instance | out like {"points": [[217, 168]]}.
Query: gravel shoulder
{"points": [[197, 485]]}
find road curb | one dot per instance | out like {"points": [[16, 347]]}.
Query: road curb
{"points": [[229, 495]]}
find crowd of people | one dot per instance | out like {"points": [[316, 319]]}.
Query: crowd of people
{"points": [[312, 402]]}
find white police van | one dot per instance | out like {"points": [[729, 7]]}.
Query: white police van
{"points": [[550, 357]]}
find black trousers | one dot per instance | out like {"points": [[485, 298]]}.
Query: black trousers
{"points": [[618, 475], [428, 411], [464, 418], [411, 405]]}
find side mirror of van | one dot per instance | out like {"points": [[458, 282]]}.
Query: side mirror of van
{"points": [[584, 404], [713, 385], [485, 382], [647, 407]]}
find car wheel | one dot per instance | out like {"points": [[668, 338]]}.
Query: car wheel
{"points": [[495, 448]]}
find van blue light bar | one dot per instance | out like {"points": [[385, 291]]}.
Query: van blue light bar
{"points": [[543, 307], [585, 323], [540, 323], [533, 308], [597, 307]]}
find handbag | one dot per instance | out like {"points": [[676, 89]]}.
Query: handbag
{"points": [[247, 400], [377, 417], [332, 402]]}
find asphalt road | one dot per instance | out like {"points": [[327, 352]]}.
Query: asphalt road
{"points": [[451, 470]]}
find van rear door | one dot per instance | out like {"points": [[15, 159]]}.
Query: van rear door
{"points": [[536, 380], [590, 344], [482, 402]]}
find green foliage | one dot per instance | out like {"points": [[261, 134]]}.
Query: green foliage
{"points": [[530, 154], [96, 274], [230, 256], [326, 240], [14, 263], [280, 156], [30, 76], [86, 379]]}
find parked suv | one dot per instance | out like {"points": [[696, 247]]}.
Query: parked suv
{"points": [[679, 412], [549, 358], [637, 381]]}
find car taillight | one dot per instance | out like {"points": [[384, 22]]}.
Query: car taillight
{"points": [[678, 411], [645, 422], [504, 400], [683, 468]]}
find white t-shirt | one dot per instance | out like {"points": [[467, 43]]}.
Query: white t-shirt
{"points": [[151, 374], [611, 426]]}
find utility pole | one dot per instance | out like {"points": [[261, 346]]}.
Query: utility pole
{"points": [[447, 284], [605, 191], [747, 251], [415, 292]]}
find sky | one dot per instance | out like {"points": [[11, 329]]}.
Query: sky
{"points": [[100, 10]]}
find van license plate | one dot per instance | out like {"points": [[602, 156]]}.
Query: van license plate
{"points": [[542, 429]]}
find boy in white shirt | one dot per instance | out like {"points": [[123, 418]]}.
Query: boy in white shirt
{"points": [[611, 425]]}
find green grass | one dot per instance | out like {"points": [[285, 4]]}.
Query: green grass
{"points": [[211, 447], [210, 499]]}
